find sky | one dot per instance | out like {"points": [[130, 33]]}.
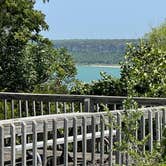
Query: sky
{"points": [[101, 19]]}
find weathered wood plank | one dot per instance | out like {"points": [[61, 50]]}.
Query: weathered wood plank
{"points": [[110, 141], [54, 142], [13, 144], [1, 145], [5, 109], [68, 98], [84, 143], [93, 139], [45, 138], [102, 140], [66, 142], [119, 138], [24, 142], [75, 141], [150, 123], [27, 108], [12, 108], [34, 143]]}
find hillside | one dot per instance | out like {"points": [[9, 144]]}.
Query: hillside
{"points": [[93, 51]]}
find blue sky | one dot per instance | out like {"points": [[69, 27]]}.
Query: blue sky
{"points": [[101, 19]]}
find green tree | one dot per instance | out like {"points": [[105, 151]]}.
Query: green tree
{"points": [[143, 72], [107, 85], [157, 36], [61, 73], [26, 58], [19, 24]]}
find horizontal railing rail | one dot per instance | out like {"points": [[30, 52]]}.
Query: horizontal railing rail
{"points": [[14, 105], [81, 98], [77, 133]]}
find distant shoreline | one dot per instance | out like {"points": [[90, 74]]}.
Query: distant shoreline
{"points": [[100, 65]]}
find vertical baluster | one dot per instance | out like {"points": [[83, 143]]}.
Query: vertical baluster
{"points": [[12, 108], [13, 145], [80, 107], [34, 108], [65, 142], [45, 143], [87, 105], [34, 128], [164, 117], [102, 140], [143, 131], [55, 142], [49, 107], [157, 117], [161, 123], [98, 107], [24, 141], [106, 105], [84, 144], [1, 145], [92, 104], [27, 108], [150, 123], [64, 107], [75, 141], [20, 108], [115, 108], [72, 107], [5, 108], [56, 107], [110, 141], [93, 139], [119, 155], [41, 107]]}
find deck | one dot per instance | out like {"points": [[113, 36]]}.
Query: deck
{"points": [[42, 129]]}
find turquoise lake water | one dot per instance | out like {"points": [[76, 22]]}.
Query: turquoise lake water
{"points": [[89, 73]]}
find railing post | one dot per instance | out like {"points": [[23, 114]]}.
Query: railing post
{"points": [[34, 132], [150, 122], [143, 131], [119, 139], [87, 105], [110, 141], [45, 138], [13, 145], [87, 108], [75, 141], [5, 109], [65, 142], [157, 117], [164, 117], [1, 146], [24, 141], [93, 139], [102, 140], [54, 142], [84, 141]]}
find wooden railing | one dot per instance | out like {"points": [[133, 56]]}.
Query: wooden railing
{"points": [[73, 128], [17, 105], [64, 138]]}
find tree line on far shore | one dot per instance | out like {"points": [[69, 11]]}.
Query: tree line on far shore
{"points": [[95, 51]]}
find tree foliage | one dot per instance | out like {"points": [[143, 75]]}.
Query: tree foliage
{"points": [[144, 70], [26, 58], [157, 36], [107, 85], [95, 51]]}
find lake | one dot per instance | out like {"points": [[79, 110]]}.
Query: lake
{"points": [[92, 72]]}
